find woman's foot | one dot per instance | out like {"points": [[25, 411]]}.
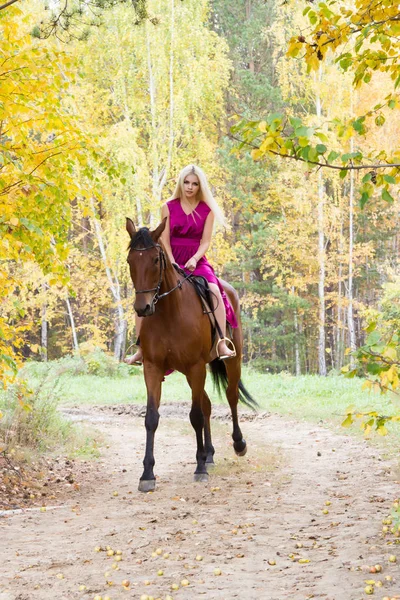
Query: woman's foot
{"points": [[135, 359], [223, 351]]}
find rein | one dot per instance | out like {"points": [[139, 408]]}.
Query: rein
{"points": [[163, 264]]}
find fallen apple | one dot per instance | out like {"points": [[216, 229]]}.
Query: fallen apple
{"points": [[217, 572], [369, 590], [184, 582], [378, 568]]}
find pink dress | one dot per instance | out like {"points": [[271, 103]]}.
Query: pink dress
{"points": [[186, 232]]}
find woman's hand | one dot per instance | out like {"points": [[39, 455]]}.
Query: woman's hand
{"points": [[191, 264]]}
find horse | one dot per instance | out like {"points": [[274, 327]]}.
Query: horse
{"points": [[177, 335]]}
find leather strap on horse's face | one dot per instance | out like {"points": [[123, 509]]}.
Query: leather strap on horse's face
{"points": [[163, 263]]}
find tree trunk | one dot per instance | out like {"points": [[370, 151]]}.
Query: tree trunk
{"points": [[120, 321], [167, 166], [153, 113], [44, 326], [250, 48], [296, 341], [73, 328], [339, 321], [350, 317], [321, 251]]}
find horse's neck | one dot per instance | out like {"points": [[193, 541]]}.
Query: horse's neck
{"points": [[169, 282]]}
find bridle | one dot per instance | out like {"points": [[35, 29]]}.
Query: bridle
{"points": [[163, 264]]}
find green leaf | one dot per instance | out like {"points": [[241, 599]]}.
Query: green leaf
{"points": [[374, 368], [366, 178], [386, 196], [312, 155], [392, 104], [295, 122], [389, 179], [332, 156], [304, 131], [343, 173], [321, 148], [373, 338], [371, 327], [364, 199]]}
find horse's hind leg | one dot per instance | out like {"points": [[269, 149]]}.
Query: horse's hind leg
{"points": [[196, 378], [153, 378], [209, 448], [233, 368]]}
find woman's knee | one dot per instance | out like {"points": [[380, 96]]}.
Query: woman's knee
{"points": [[214, 288]]}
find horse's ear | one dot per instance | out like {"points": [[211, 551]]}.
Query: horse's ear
{"points": [[157, 232], [130, 227]]}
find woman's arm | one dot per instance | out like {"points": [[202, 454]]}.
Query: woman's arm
{"points": [[165, 236], [204, 244]]}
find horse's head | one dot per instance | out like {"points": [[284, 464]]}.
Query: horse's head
{"points": [[146, 261]]}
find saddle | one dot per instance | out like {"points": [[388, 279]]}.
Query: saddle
{"points": [[203, 291]]}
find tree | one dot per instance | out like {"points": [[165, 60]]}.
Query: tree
{"points": [[41, 145], [372, 27]]}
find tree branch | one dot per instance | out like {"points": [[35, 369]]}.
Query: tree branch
{"points": [[318, 164], [7, 4]]}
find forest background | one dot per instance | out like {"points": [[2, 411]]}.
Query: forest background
{"points": [[98, 121]]}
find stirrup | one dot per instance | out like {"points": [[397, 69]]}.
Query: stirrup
{"points": [[225, 356]]}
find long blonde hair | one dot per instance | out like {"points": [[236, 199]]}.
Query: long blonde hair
{"points": [[203, 194]]}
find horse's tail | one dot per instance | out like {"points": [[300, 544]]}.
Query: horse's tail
{"points": [[220, 380]]}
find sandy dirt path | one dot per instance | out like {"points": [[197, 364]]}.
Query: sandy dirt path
{"points": [[267, 506]]}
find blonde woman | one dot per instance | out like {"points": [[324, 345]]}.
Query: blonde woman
{"points": [[186, 238]]}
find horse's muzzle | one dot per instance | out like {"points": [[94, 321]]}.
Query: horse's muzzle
{"points": [[145, 311]]}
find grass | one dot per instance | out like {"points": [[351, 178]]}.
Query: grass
{"points": [[306, 398]]}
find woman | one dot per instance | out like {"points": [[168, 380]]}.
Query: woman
{"points": [[186, 238]]}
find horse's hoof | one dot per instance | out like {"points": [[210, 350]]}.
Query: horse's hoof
{"points": [[240, 447], [148, 485], [202, 477], [210, 465], [242, 452]]}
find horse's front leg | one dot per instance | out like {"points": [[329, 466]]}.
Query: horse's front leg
{"points": [[197, 378], [153, 378]]}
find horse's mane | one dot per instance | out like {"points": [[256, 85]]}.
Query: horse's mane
{"points": [[142, 239]]}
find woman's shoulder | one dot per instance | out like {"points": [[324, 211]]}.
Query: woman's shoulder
{"points": [[172, 202], [203, 206]]}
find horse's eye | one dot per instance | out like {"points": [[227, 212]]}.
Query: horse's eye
{"points": [[156, 261]]}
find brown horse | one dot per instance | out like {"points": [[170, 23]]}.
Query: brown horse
{"points": [[177, 336]]}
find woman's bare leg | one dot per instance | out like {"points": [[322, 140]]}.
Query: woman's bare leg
{"points": [[220, 315], [138, 356]]}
